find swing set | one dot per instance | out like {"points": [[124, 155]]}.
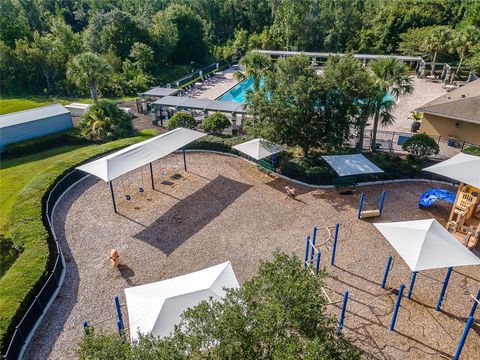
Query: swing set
{"points": [[375, 212]]}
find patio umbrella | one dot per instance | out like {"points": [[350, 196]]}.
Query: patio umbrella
{"points": [[462, 167]]}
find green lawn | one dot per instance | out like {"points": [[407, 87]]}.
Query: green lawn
{"points": [[13, 104], [23, 183]]}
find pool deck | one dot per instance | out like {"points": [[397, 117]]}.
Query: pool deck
{"points": [[218, 86]]}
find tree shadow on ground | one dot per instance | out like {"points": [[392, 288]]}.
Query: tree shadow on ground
{"points": [[192, 214]]}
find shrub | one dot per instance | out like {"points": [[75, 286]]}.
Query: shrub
{"points": [[30, 146], [472, 150], [283, 293], [421, 146], [104, 121], [216, 123], [182, 119]]}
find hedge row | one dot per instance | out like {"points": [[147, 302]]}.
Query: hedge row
{"points": [[26, 276], [35, 145]]}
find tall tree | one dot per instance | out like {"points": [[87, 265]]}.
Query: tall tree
{"points": [[392, 77], [462, 41], [437, 42], [89, 69], [256, 65]]}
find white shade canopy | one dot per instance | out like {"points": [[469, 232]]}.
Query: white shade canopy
{"points": [[259, 148], [354, 164], [157, 307], [425, 244], [114, 165], [462, 167]]}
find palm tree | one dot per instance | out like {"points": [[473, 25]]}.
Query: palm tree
{"points": [[392, 76], [438, 42], [463, 41], [256, 65], [88, 69]]}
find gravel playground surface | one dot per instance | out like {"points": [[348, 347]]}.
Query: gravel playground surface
{"points": [[222, 209]]}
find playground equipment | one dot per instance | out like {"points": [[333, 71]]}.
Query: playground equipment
{"points": [[376, 212], [432, 195], [312, 249], [464, 209]]}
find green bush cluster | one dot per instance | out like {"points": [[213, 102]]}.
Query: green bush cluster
{"points": [[221, 143], [182, 119], [25, 277], [472, 150], [421, 146], [303, 170], [215, 123], [31, 146]]}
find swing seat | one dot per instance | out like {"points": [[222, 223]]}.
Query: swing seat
{"points": [[128, 197], [365, 214]]}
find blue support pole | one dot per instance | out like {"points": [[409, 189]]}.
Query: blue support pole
{"points": [[463, 338], [307, 245], [274, 161], [119, 312], [342, 314], [360, 206], [317, 267], [412, 283], [184, 160], [85, 328], [387, 269], [382, 201], [314, 239], [120, 327], [475, 304], [397, 306], [444, 289], [334, 249]]}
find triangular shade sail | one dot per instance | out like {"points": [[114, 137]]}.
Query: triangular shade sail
{"points": [[425, 244], [121, 162], [156, 308], [259, 148], [462, 167], [354, 164]]}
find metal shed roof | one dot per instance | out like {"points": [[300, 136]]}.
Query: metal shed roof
{"points": [[326, 55], [160, 91], [194, 103], [226, 106], [170, 101], [21, 117], [201, 104]]}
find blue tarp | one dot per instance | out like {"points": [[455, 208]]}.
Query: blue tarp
{"points": [[432, 195]]}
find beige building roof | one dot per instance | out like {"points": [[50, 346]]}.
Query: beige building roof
{"points": [[461, 104]]}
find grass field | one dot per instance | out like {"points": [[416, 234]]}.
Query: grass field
{"points": [[23, 183], [13, 104]]}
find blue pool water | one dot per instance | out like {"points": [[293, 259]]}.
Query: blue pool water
{"points": [[238, 92]]}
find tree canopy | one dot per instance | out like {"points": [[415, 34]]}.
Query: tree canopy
{"points": [[278, 314]]}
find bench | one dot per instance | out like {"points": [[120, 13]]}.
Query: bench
{"points": [[345, 182], [266, 165]]}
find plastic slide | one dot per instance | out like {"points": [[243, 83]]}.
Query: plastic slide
{"points": [[432, 195]]}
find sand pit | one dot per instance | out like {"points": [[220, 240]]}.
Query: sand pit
{"points": [[222, 209]]}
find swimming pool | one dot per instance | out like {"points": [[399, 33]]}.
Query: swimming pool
{"points": [[238, 92]]}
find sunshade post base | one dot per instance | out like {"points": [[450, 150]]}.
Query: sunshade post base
{"points": [[387, 269], [463, 338], [444, 288], [113, 197], [412, 284], [151, 176], [397, 306], [334, 248], [342, 314]]}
